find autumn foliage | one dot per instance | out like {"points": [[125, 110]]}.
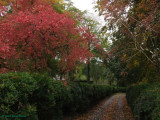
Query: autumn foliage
{"points": [[29, 36]]}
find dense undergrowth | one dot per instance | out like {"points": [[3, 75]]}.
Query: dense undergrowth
{"points": [[144, 100], [39, 97]]}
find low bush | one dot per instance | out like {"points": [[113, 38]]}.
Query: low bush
{"points": [[117, 89], [83, 95], [133, 93], [75, 98], [39, 97], [146, 103], [50, 97], [16, 90]]}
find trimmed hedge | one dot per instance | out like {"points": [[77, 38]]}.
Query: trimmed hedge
{"points": [[81, 96], [39, 97], [133, 93], [145, 101], [50, 97]]}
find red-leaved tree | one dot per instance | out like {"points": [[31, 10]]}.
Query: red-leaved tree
{"points": [[28, 37]]}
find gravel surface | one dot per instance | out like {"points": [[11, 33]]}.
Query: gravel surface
{"points": [[113, 108]]}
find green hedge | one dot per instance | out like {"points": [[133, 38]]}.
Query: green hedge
{"points": [[133, 93], [145, 101], [81, 96], [39, 97], [16, 89], [50, 97]]}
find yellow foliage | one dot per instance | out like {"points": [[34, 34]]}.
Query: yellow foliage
{"points": [[136, 63], [55, 1], [59, 1], [144, 81], [4, 2], [124, 56]]}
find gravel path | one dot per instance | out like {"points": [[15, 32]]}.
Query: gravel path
{"points": [[113, 108]]}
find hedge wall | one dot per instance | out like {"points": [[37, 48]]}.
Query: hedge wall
{"points": [[16, 90], [145, 101], [39, 97]]}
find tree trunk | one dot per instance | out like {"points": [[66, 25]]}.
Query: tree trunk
{"points": [[88, 72]]}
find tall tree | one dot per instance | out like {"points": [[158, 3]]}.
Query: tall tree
{"points": [[135, 25], [90, 29], [137, 18], [28, 36]]}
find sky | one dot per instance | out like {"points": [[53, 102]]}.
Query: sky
{"points": [[89, 6]]}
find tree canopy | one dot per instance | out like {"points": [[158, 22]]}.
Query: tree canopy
{"points": [[135, 40], [29, 36]]}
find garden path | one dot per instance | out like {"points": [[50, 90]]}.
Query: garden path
{"points": [[112, 108]]}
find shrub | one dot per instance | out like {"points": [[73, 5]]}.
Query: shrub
{"points": [[50, 97], [117, 89], [39, 97], [145, 101], [83, 95], [133, 93], [147, 105], [16, 90]]}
